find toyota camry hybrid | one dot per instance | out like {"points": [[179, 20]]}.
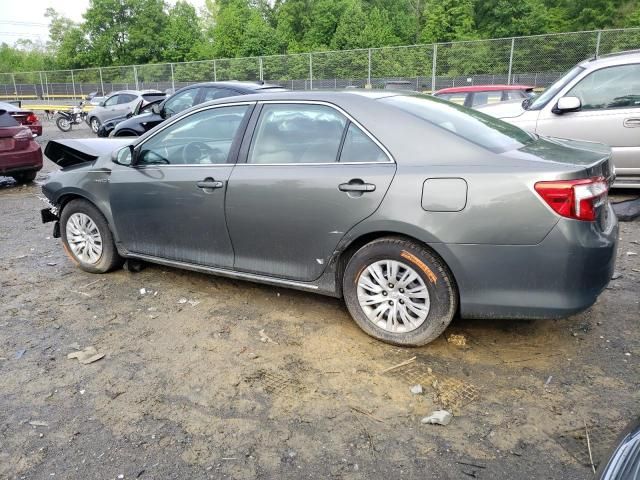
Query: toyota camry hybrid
{"points": [[411, 208]]}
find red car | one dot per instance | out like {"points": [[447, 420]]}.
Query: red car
{"points": [[20, 155], [24, 117], [477, 95]]}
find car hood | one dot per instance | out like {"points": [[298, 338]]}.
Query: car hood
{"points": [[508, 109], [73, 152]]}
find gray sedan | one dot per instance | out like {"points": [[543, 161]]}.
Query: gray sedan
{"points": [[410, 208]]}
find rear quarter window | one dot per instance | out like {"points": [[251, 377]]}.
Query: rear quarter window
{"points": [[479, 128]]}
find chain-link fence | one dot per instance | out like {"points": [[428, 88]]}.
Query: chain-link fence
{"points": [[535, 60]]}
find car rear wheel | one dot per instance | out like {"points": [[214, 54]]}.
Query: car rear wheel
{"points": [[399, 292], [25, 177], [87, 238], [95, 124]]}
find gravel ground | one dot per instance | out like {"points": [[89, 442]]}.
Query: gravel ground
{"points": [[205, 377]]}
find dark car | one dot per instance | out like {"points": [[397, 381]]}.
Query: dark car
{"points": [[411, 208], [141, 108], [20, 155], [185, 98], [473, 96], [23, 116]]}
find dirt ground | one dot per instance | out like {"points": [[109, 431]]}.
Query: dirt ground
{"points": [[205, 377]]}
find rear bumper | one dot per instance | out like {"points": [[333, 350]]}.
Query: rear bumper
{"points": [[29, 159], [36, 128], [561, 276]]}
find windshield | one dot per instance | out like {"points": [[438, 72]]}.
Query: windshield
{"points": [[538, 103], [476, 127]]}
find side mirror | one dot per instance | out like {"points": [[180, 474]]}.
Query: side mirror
{"points": [[124, 156], [156, 109], [101, 104], [567, 104]]}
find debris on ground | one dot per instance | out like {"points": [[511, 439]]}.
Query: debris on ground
{"points": [[457, 339], [548, 381], [20, 353], [264, 338], [401, 364], [86, 356], [616, 275], [628, 210], [38, 423], [416, 389], [439, 417], [632, 254]]}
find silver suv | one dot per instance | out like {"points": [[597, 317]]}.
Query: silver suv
{"points": [[118, 104], [598, 100]]}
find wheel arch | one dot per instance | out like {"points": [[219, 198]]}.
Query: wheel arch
{"points": [[67, 196], [126, 132]]}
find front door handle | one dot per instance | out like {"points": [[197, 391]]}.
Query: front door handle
{"points": [[357, 185], [209, 183], [631, 122]]}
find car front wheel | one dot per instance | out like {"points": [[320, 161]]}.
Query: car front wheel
{"points": [[399, 291], [87, 238], [95, 125]]}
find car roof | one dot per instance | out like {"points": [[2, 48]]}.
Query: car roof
{"points": [[483, 88], [233, 85], [612, 59], [135, 92]]}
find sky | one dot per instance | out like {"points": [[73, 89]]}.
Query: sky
{"points": [[25, 19]]}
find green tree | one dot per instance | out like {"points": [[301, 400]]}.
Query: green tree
{"points": [[360, 29], [506, 18], [448, 20], [183, 33]]}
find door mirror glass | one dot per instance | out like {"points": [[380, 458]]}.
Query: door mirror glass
{"points": [[156, 109], [568, 104], [124, 156]]}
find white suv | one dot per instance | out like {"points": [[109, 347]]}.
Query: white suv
{"points": [[597, 100]]}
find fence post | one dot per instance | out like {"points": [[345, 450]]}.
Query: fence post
{"points": [[41, 86], [73, 84], [173, 80], [513, 43], [46, 84], [433, 68], [261, 71], [598, 43], [369, 71], [101, 83], [15, 88], [135, 76], [310, 71], [215, 73]]}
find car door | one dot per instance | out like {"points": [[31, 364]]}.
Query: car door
{"points": [[108, 108], [170, 203], [306, 175], [610, 114]]}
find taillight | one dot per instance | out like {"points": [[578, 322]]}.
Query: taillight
{"points": [[578, 199], [23, 134], [31, 118]]}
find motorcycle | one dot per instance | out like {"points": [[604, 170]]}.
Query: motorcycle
{"points": [[66, 119]]}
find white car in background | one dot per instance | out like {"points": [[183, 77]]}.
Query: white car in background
{"points": [[119, 104], [598, 100]]}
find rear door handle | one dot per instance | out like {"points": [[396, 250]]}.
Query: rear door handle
{"points": [[209, 183], [631, 122], [357, 185]]}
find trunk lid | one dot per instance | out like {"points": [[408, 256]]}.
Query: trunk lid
{"points": [[73, 152]]}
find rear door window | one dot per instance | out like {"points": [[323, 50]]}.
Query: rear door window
{"points": [[126, 98], [297, 133], [359, 148]]}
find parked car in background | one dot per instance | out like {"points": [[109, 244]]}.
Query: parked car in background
{"points": [[474, 96], [598, 100], [20, 154], [185, 98], [118, 104], [23, 117], [141, 108], [409, 207]]}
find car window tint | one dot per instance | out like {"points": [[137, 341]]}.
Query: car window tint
{"points": [[297, 134], [201, 138], [111, 101], [485, 98], [213, 93], [458, 98], [126, 98], [613, 87], [358, 147], [180, 101], [479, 128]]}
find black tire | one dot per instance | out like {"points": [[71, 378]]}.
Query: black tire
{"points": [[109, 258], [25, 177], [94, 124], [63, 124], [435, 275]]}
